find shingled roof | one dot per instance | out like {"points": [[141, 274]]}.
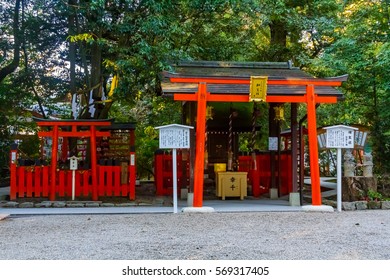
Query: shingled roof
{"points": [[240, 70]]}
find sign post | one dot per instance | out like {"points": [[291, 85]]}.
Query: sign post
{"points": [[73, 167], [339, 136], [174, 136]]}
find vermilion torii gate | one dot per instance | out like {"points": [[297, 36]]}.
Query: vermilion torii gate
{"points": [[310, 97]]}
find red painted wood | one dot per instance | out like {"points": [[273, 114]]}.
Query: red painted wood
{"points": [[61, 183], [110, 182], [45, 181], [29, 181], [94, 164], [158, 174], [21, 181], [68, 186], [313, 146], [199, 146], [117, 180], [86, 187], [37, 189], [13, 176]]}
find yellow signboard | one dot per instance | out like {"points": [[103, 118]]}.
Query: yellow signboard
{"points": [[258, 88]]}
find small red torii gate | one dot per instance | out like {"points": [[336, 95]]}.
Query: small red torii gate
{"points": [[55, 132], [105, 178], [310, 98]]}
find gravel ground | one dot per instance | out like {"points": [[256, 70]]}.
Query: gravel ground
{"points": [[355, 235]]}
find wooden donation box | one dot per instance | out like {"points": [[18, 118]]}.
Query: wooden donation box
{"points": [[231, 184]]}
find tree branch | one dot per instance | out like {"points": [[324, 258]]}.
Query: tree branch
{"points": [[11, 67]]}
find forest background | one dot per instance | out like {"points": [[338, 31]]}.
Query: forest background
{"points": [[52, 50]]}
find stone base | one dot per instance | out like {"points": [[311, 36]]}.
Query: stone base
{"points": [[198, 210], [190, 199], [183, 194], [319, 208], [3, 216], [355, 188], [273, 193], [294, 199]]}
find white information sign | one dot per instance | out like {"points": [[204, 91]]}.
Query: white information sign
{"points": [[273, 143], [340, 136], [73, 166], [73, 163], [174, 136]]}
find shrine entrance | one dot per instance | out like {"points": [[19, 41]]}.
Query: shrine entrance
{"points": [[200, 83], [105, 156]]}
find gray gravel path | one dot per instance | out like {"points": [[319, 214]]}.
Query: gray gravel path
{"points": [[254, 235]]}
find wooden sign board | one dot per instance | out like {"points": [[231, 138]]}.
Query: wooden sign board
{"points": [[174, 136], [340, 136], [258, 88]]}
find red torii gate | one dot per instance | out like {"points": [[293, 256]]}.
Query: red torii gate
{"points": [[310, 98], [55, 132]]}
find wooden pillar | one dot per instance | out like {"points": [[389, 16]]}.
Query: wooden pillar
{"points": [[199, 146], [54, 152], [294, 146], [313, 146], [132, 166], [94, 164], [13, 162], [273, 131]]}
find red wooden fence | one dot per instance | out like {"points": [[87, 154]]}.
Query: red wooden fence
{"points": [[163, 177], [35, 181], [260, 178]]}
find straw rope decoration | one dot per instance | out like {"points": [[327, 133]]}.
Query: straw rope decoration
{"points": [[254, 116]]}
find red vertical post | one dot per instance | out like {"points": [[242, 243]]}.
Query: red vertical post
{"points": [[54, 152], [94, 164], [29, 181], [199, 146], [61, 183], [45, 181], [132, 166], [158, 173], [13, 161], [37, 181], [313, 146]]}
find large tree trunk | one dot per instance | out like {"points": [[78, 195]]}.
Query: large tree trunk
{"points": [[11, 67]]}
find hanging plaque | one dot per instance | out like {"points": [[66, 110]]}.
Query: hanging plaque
{"points": [[258, 88]]}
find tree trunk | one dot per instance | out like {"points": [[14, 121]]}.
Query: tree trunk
{"points": [[11, 67]]}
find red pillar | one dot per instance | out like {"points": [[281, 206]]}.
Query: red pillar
{"points": [[94, 164], [199, 146], [13, 161], [313, 146], [54, 152]]}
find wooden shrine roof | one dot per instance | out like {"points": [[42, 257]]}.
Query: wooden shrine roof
{"points": [[241, 70]]}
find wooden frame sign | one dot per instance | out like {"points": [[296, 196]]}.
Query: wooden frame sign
{"points": [[174, 136], [258, 88]]}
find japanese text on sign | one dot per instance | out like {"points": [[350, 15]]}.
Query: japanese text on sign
{"points": [[174, 138], [340, 138], [258, 88]]}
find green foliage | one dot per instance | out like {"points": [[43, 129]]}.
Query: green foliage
{"points": [[374, 195], [361, 49]]}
